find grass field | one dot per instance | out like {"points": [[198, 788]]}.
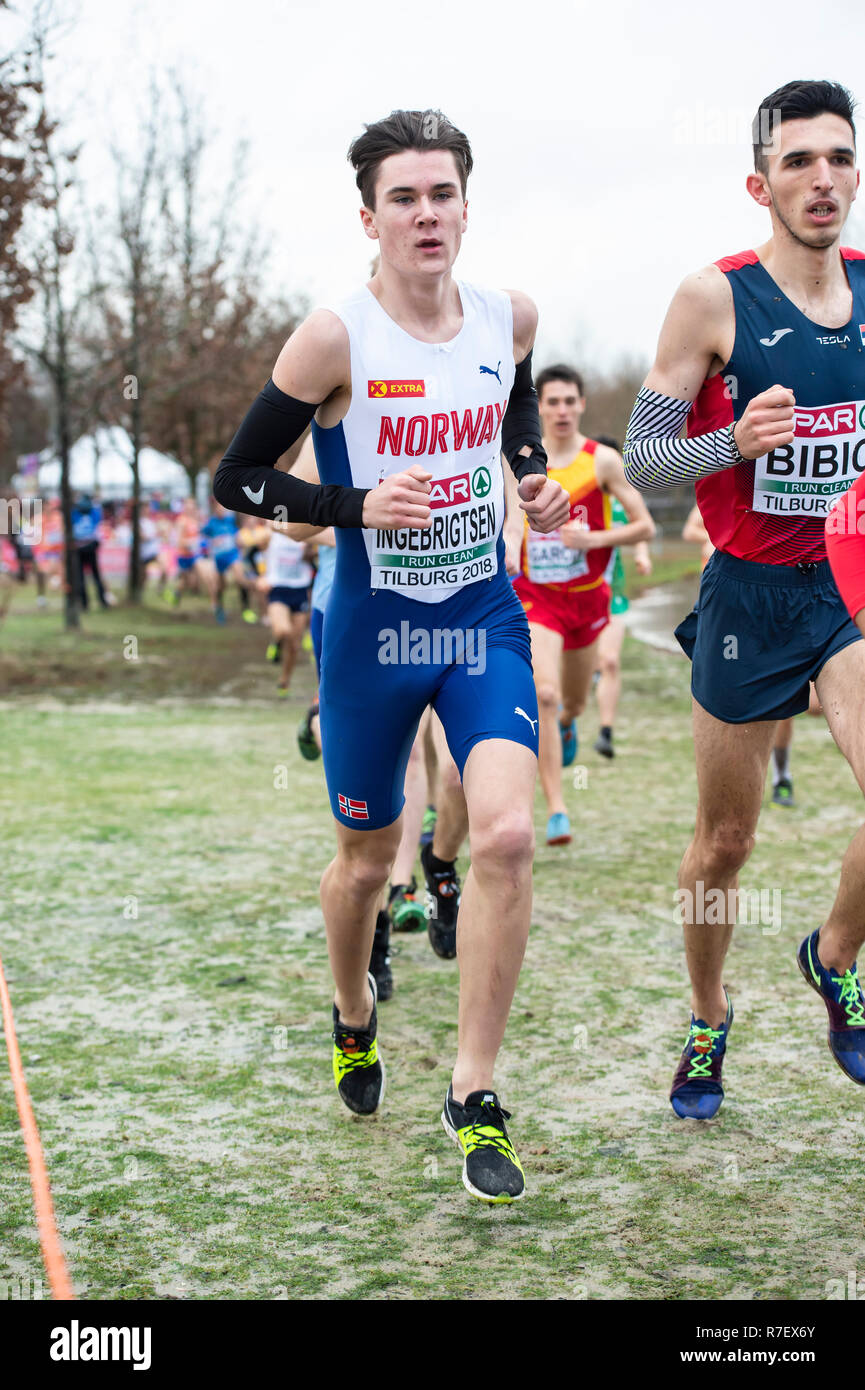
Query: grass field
{"points": [[163, 943]]}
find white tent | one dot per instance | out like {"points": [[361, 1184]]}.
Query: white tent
{"points": [[99, 465]]}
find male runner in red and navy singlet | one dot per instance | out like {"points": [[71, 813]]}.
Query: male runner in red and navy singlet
{"points": [[764, 354]]}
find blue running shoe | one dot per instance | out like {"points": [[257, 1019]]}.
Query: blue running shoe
{"points": [[697, 1092], [842, 995], [559, 829], [570, 742]]}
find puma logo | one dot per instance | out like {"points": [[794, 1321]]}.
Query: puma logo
{"points": [[777, 334], [492, 371], [533, 722], [256, 497]]}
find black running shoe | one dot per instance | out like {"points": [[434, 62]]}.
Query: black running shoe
{"points": [[491, 1171], [305, 737], [782, 792], [357, 1068], [379, 960], [604, 745], [442, 905]]}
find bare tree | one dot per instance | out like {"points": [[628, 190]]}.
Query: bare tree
{"points": [[21, 182], [134, 330], [223, 329], [60, 295], [610, 396]]}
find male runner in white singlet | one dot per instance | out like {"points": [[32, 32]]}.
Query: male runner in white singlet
{"points": [[416, 383]]}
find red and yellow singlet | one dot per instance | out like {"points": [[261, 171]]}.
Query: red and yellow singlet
{"points": [[563, 589]]}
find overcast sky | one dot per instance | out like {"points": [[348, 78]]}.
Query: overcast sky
{"points": [[611, 139]]}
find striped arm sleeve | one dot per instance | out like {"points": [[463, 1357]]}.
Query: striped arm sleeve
{"points": [[654, 454]]}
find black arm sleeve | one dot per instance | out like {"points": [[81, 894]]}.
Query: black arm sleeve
{"points": [[248, 481], [522, 425]]}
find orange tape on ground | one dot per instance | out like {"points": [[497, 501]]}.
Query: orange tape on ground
{"points": [[52, 1252]]}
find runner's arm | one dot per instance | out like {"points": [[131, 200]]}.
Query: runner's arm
{"points": [[514, 522], [545, 502], [694, 529], [521, 426], [691, 339], [313, 366], [642, 558], [845, 548], [325, 537], [305, 468], [610, 472]]}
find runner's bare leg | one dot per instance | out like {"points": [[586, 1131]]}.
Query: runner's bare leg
{"points": [[546, 664], [841, 689], [350, 889], [731, 774], [499, 781]]}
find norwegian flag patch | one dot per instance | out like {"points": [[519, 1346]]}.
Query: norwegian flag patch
{"points": [[355, 810]]}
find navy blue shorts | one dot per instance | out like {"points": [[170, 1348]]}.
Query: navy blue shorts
{"points": [[759, 634], [386, 657], [295, 599]]}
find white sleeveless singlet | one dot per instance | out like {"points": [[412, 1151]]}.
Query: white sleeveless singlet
{"points": [[439, 405], [286, 567]]}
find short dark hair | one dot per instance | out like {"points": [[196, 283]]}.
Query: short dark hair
{"points": [[406, 130], [559, 372], [797, 101]]}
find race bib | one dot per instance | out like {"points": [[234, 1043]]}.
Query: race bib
{"points": [[550, 561], [806, 477], [460, 544]]}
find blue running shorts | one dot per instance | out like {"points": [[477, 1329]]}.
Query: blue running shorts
{"points": [[225, 559], [759, 634], [386, 657]]}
